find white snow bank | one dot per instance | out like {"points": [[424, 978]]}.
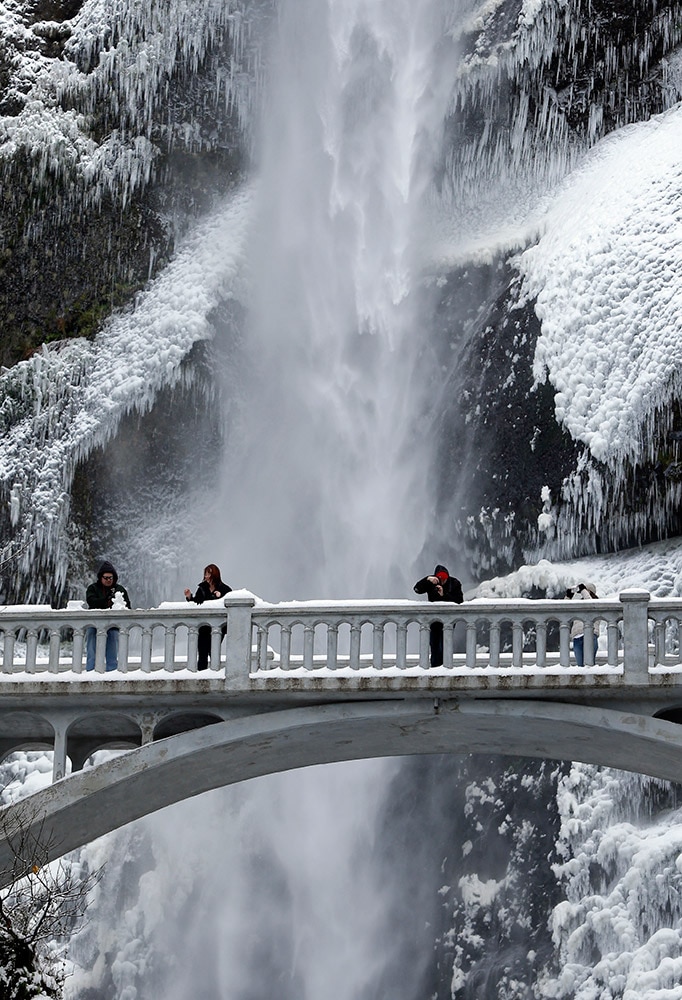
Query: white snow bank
{"points": [[607, 274], [656, 568]]}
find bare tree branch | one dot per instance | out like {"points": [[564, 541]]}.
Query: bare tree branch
{"points": [[41, 905]]}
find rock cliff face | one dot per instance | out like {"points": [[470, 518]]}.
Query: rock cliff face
{"points": [[109, 137]]}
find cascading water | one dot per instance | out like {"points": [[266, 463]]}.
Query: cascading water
{"points": [[326, 487]]}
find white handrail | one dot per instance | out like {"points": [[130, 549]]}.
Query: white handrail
{"points": [[638, 635]]}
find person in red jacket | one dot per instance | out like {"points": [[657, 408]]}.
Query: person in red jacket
{"points": [[439, 587]]}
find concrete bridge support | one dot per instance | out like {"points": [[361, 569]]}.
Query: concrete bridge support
{"points": [[93, 802]]}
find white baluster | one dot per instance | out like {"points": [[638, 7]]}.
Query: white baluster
{"points": [[146, 649], [471, 644], [333, 645], [612, 638], [424, 644], [192, 643], [564, 644], [55, 647], [308, 646], [77, 649], [448, 642], [495, 644], [216, 641], [355, 637], [541, 643], [262, 633], [378, 644], [401, 645], [517, 644], [169, 634], [123, 648], [285, 646], [31, 649]]}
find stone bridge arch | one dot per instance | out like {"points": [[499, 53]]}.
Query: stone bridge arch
{"points": [[84, 738], [90, 803], [26, 731]]}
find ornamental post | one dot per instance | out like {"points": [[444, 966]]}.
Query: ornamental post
{"points": [[238, 642], [635, 635]]}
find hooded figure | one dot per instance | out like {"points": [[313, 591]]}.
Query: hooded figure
{"points": [[101, 593], [439, 587], [101, 596]]}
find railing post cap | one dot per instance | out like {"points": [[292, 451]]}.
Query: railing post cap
{"points": [[241, 601], [634, 594]]}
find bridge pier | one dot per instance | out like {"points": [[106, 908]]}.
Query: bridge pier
{"points": [[59, 757]]}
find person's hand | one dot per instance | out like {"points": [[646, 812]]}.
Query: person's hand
{"points": [[188, 594]]}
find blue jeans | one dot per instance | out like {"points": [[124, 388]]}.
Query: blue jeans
{"points": [[579, 650], [111, 654]]}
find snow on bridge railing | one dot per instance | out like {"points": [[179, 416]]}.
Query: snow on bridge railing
{"points": [[37, 639], [350, 638], [381, 636]]}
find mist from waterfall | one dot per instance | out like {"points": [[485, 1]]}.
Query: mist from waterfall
{"points": [[326, 482], [325, 491], [325, 486]]}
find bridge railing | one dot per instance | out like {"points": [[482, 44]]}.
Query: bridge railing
{"points": [[638, 637], [37, 639], [476, 635]]}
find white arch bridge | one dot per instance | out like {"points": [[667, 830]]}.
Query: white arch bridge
{"points": [[314, 682]]}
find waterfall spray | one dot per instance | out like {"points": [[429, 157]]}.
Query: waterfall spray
{"points": [[326, 480]]}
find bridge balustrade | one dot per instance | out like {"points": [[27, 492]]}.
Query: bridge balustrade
{"points": [[477, 635], [637, 635], [38, 639], [665, 619]]}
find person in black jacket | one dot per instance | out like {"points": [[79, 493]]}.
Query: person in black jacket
{"points": [[439, 587], [105, 593], [211, 588]]}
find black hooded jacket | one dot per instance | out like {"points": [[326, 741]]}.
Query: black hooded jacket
{"points": [[100, 597], [204, 592], [452, 588]]}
